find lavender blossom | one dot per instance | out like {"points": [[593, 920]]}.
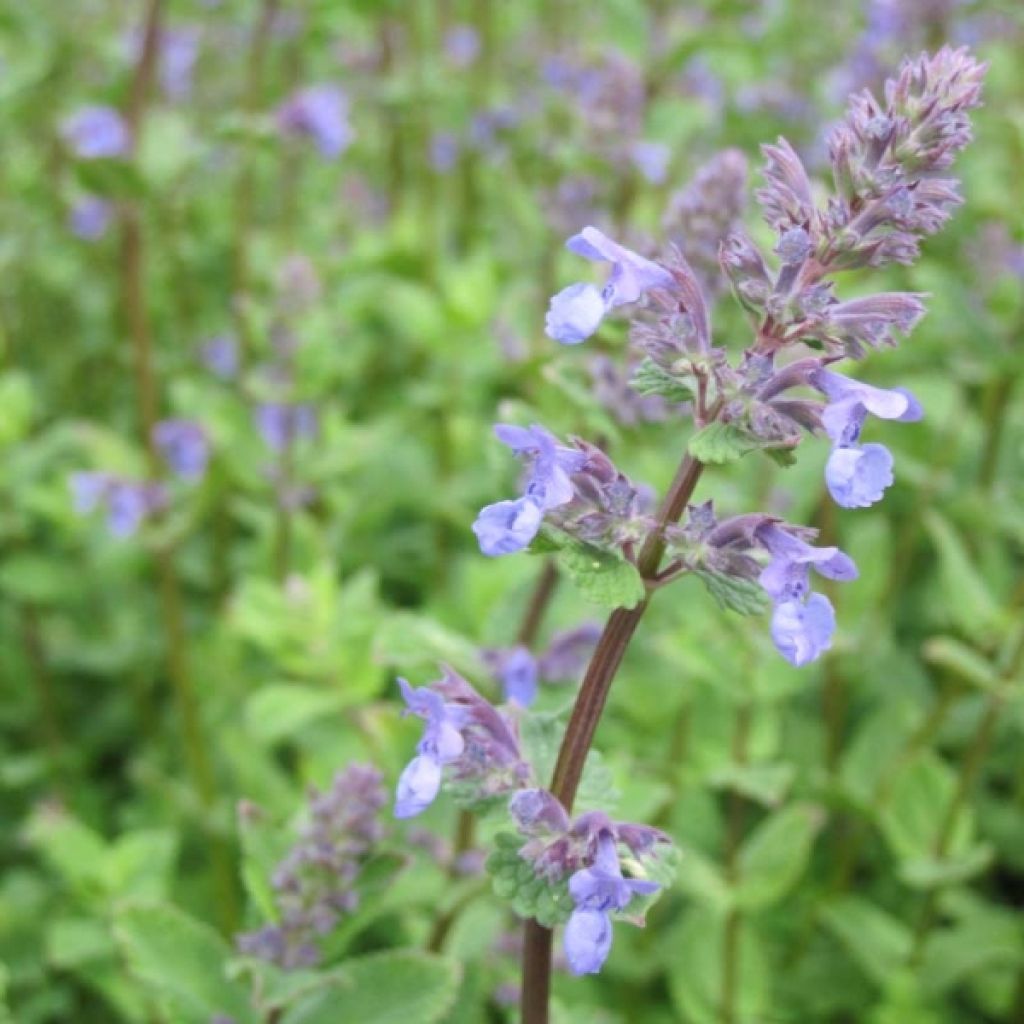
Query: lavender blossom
{"points": [[461, 46], [179, 51], [128, 503], [281, 424], [651, 159], [185, 447], [220, 356], [802, 623], [857, 475], [90, 218], [598, 891], [96, 132], [316, 884], [463, 732], [576, 312], [319, 113]]}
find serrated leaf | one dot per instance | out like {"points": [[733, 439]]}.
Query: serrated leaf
{"points": [[734, 594], [515, 881], [182, 959], [721, 443], [396, 987], [602, 577], [651, 379], [775, 855]]}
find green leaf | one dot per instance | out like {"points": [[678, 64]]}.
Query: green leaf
{"points": [[766, 782], [949, 653], [875, 939], [986, 938], [514, 881], [541, 735], [931, 872], [282, 710], [17, 400], [696, 976], [651, 379], [970, 602], [181, 959], [74, 941], [396, 987], [721, 443], [734, 594], [775, 855], [602, 577]]}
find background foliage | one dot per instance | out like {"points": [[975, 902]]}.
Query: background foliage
{"points": [[852, 833]]}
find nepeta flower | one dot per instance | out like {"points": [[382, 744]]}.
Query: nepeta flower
{"points": [[518, 673], [127, 502], [507, 526], [464, 731], [90, 217], [179, 50], [281, 424], [95, 132], [220, 356], [802, 622], [598, 891], [184, 446], [651, 160], [576, 312], [461, 45], [321, 114], [857, 475]]}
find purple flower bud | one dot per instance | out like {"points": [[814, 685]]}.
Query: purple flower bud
{"points": [[129, 503], [220, 356], [588, 941], [90, 217], [179, 50], [802, 631], [857, 476], [794, 246], [536, 811], [786, 198], [94, 132], [507, 526], [184, 446], [321, 114], [568, 652], [574, 314]]}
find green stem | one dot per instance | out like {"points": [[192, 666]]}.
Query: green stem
{"points": [[734, 921], [46, 697]]}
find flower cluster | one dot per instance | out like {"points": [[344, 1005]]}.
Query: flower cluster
{"points": [[96, 132], [316, 883], [575, 489], [586, 852], [319, 113], [184, 446], [463, 733]]}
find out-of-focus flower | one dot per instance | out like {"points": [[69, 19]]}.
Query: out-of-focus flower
{"points": [[219, 355], [94, 132], [281, 424], [320, 113], [185, 447], [90, 218]]}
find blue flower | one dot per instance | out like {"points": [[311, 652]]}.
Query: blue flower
{"points": [[576, 312], [219, 355], [597, 891], [95, 132], [280, 424], [857, 475], [321, 114], [127, 502], [803, 622], [518, 673], [184, 446], [90, 217], [507, 526], [440, 744]]}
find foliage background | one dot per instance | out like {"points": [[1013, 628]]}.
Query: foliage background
{"points": [[853, 832]]}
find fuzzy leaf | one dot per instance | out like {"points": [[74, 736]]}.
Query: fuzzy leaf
{"points": [[602, 577], [721, 443], [180, 959], [651, 379], [734, 594], [395, 987], [514, 880], [776, 854]]}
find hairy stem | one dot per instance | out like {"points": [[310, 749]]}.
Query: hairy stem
{"points": [[586, 714]]}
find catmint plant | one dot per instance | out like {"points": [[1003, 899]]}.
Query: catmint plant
{"points": [[890, 161]]}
